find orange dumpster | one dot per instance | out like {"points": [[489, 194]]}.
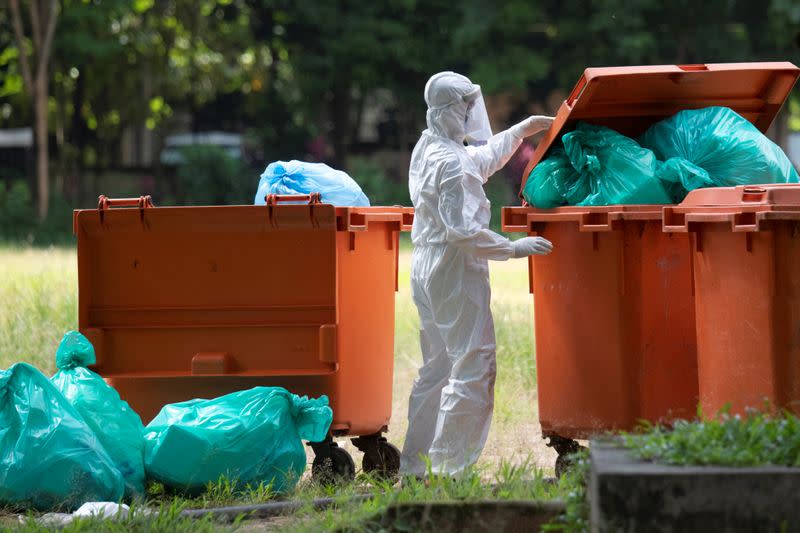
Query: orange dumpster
{"points": [[614, 304], [746, 252], [614, 318], [197, 302]]}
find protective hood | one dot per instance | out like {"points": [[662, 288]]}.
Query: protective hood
{"points": [[456, 109]]}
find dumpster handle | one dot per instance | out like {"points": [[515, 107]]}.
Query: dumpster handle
{"points": [[104, 202], [271, 200], [313, 198]]}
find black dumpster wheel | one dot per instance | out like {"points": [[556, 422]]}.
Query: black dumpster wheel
{"points": [[337, 467], [565, 461], [382, 460], [566, 449]]}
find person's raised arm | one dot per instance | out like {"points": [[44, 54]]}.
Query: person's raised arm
{"points": [[493, 156]]}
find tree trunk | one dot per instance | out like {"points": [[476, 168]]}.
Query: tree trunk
{"points": [[42, 155], [36, 80]]}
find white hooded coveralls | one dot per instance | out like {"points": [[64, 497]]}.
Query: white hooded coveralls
{"points": [[450, 408]]}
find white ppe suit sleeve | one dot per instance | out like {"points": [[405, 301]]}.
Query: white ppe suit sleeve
{"points": [[463, 231], [493, 155]]}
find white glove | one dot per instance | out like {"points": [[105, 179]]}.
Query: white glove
{"points": [[531, 126], [531, 246]]}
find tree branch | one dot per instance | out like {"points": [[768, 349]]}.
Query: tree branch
{"points": [[44, 52], [23, 55], [36, 25]]}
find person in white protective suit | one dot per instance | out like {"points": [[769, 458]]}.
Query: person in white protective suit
{"points": [[450, 408]]}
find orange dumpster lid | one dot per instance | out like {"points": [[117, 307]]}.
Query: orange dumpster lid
{"points": [[631, 99]]}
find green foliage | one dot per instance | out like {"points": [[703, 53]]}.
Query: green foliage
{"points": [[379, 188], [224, 492], [518, 32], [794, 114], [754, 439], [17, 215], [18, 222], [210, 176], [57, 227], [572, 486], [11, 83]]}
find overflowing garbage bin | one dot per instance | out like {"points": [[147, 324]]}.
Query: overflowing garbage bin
{"points": [[614, 304], [613, 319], [198, 302]]}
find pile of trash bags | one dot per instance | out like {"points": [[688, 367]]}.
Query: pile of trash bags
{"points": [[300, 178], [71, 439], [711, 147]]}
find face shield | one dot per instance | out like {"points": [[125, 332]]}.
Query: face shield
{"points": [[477, 128]]}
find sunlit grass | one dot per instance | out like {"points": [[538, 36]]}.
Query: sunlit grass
{"points": [[38, 304]]}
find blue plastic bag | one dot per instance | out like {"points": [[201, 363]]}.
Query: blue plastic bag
{"points": [[251, 437], [49, 456], [298, 177], [118, 428], [719, 148]]}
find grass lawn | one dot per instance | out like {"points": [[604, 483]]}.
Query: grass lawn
{"points": [[38, 291]]}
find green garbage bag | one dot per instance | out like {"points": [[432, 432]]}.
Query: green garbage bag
{"points": [[118, 428], [49, 456], [678, 173], [554, 182], [250, 437], [618, 169], [722, 147]]}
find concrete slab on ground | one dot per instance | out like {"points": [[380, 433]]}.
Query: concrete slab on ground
{"points": [[627, 494]]}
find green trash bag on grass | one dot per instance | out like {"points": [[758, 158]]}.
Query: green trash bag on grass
{"points": [[251, 437], [719, 148], [118, 427], [619, 171], [49, 456]]}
